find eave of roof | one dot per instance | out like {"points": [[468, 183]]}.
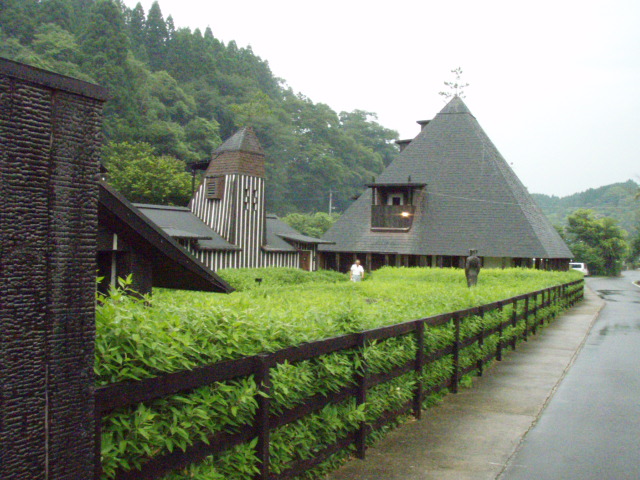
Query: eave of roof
{"points": [[397, 184], [181, 223], [279, 232], [303, 238], [173, 267]]}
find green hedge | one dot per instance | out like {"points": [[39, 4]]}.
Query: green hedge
{"points": [[243, 279], [181, 330]]}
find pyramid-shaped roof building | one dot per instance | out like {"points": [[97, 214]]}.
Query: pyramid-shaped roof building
{"points": [[457, 192]]}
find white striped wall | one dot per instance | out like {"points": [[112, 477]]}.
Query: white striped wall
{"points": [[239, 217]]}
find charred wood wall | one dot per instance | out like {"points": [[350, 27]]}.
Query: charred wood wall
{"points": [[50, 137]]}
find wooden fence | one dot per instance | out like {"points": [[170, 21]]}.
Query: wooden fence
{"points": [[524, 308]]}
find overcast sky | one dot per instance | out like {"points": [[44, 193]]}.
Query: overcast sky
{"points": [[554, 83]]}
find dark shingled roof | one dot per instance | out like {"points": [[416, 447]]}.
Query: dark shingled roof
{"points": [[173, 266], [279, 232], [244, 140], [179, 222], [473, 199]]}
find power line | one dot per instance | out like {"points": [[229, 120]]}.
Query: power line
{"points": [[474, 199]]}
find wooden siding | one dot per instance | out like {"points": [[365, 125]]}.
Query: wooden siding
{"points": [[391, 217], [311, 247], [239, 217]]}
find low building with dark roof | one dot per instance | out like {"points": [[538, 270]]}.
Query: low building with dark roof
{"points": [[226, 225], [449, 190], [184, 227], [130, 243]]}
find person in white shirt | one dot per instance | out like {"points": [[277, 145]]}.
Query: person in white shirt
{"points": [[357, 272]]}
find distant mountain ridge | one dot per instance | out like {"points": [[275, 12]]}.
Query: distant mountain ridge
{"points": [[616, 201]]}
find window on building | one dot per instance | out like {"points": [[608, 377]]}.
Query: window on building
{"points": [[395, 199], [245, 198]]}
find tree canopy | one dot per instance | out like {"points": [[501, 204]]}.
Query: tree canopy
{"points": [[312, 224], [181, 91], [144, 177], [597, 241]]}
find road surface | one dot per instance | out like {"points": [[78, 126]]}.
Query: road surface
{"points": [[590, 430]]}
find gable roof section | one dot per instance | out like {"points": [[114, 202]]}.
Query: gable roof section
{"points": [[279, 232], [472, 199], [181, 223], [173, 267]]}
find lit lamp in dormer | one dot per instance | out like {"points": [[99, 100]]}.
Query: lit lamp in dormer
{"points": [[405, 214]]}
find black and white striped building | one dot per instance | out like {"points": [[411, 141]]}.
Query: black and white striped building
{"points": [[226, 225]]}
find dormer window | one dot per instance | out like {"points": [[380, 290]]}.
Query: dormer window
{"points": [[393, 205]]}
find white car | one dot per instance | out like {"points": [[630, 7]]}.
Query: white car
{"points": [[581, 267]]}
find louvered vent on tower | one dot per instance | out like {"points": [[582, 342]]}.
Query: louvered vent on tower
{"points": [[214, 187]]}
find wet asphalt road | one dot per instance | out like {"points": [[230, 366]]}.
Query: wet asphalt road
{"points": [[590, 430]]}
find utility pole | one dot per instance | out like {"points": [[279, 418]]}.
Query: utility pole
{"points": [[330, 201]]}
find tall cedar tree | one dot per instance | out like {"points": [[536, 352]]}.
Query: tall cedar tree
{"points": [[156, 37], [137, 24], [181, 91]]}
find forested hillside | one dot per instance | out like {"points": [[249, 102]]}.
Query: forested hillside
{"points": [[617, 201], [181, 91]]}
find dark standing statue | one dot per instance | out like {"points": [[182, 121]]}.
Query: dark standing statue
{"points": [[472, 268]]}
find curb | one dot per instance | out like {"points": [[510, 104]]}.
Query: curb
{"points": [[595, 316]]}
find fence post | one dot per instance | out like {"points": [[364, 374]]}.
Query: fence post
{"points": [[499, 350], [534, 326], [526, 318], [263, 380], [361, 398], [456, 353], [480, 363], [417, 396], [514, 323], [570, 294]]}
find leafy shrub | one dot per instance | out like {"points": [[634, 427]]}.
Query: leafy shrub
{"points": [[182, 330], [243, 279]]}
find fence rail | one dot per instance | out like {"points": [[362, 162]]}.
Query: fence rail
{"points": [[112, 397]]}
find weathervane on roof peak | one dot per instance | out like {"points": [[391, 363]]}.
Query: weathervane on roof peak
{"points": [[456, 87]]}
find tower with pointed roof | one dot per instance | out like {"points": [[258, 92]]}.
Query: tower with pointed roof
{"points": [[449, 190], [230, 201]]}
